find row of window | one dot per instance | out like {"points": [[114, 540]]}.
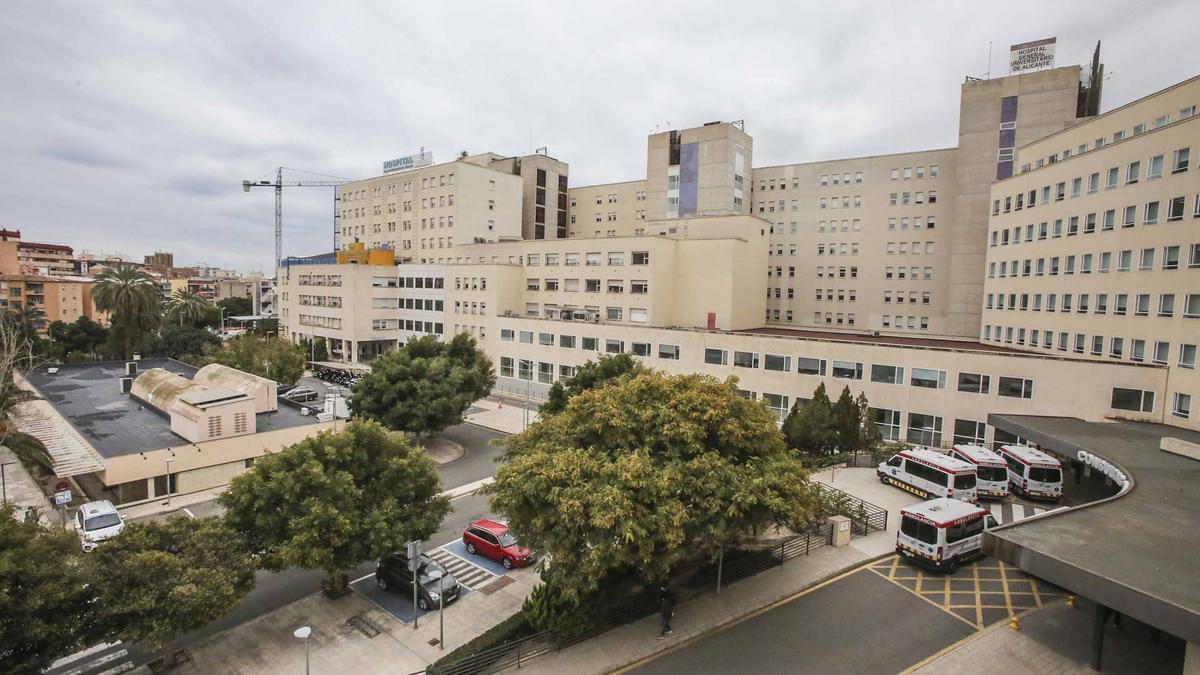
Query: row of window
{"points": [[1103, 262], [908, 173], [906, 198], [408, 282], [614, 258], [636, 286], [587, 313], [1180, 160], [1142, 304], [1160, 355], [1119, 135], [1107, 222]]}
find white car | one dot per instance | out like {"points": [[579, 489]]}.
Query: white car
{"points": [[97, 521]]}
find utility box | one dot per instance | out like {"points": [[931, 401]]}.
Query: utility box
{"points": [[841, 530]]}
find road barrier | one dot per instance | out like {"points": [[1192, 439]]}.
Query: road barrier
{"points": [[864, 516]]}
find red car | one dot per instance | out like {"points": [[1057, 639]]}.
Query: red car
{"points": [[493, 540]]}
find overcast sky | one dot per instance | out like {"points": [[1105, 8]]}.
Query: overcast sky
{"points": [[129, 126]]}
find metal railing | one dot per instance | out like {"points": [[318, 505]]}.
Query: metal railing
{"points": [[864, 516]]}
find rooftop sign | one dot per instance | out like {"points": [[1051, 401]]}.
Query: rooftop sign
{"points": [[420, 159], [1032, 55]]}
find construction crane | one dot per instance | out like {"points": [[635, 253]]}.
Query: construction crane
{"points": [[279, 185]]}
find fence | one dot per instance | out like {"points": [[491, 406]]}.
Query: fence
{"points": [[864, 516], [736, 565]]}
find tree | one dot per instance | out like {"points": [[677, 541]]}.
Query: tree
{"points": [[845, 422], [30, 451], [236, 306], [869, 436], [179, 341], [314, 349], [188, 307], [133, 299], [646, 473], [809, 424], [83, 337], [159, 580], [589, 376], [336, 500], [265, 327], [425, 385], [16, 358], [45, 600], [268, 357]]}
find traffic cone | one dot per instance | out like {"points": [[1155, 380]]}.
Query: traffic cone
{"points": [[1014, 623], [501, 404]]}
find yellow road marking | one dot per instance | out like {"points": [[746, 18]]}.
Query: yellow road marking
{"points": [[972, 625], [978, 599], [1007, 596]]}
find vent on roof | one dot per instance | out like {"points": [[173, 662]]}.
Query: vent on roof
{"points": [[131, 368], [126, 385]]}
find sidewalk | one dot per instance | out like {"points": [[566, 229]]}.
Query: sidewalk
{"points": [[23, 490], [864, 484], [266, 644], [500, 414], [632, 643]]}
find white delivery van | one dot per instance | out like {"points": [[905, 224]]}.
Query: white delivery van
{"points": [[929, 474], [1033, 473], [991, 472], [942, 533], [97, 521]]}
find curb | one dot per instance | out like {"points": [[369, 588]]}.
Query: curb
{"points": [[738, 618]]}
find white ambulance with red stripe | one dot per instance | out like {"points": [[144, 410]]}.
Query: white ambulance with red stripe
{"points": [[991, 472], [927, 473], [942, 533], [1032, 473]]}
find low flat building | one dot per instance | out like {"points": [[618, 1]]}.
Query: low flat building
{"points": [[161, 426]]}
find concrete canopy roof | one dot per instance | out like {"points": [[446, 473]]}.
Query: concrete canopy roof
{"points": [[1136, 552]]}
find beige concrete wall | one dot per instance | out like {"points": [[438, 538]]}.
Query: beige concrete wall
{"points": [[607, 210]]}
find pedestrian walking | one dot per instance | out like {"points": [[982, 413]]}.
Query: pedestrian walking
{"points": [[666, 610]]}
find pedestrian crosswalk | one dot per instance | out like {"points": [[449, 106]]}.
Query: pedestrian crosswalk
{"points": [[102, 659], [470, 575], [1011, 512]]}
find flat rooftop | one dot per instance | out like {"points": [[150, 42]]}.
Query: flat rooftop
{"points": [[1136, 552], [88, 396]]}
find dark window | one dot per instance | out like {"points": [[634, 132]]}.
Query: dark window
{"points": [[1042, 475], [895, 461], [922, 532], [964, 481], [541, 178], [974, 383], [964, 530]]}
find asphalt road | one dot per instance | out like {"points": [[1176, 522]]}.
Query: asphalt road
{"points": [[273, 590], [861, 624]]}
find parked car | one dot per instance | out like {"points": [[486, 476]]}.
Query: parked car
{"points": [[435, 584], [301, 394], [97, 521], [493, 540]]}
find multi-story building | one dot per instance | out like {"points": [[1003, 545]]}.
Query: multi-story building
{"points": [[1093, 249], [882, 273], [56, 298], [30, 257]]}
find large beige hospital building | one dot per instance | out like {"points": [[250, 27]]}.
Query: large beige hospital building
{"points": [[1049, 264]]}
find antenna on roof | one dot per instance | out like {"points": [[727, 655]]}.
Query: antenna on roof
{"points": [[989, 68]]}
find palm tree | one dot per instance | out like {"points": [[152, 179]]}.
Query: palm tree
{"points": [[188, 307], [132, 298], [27, 320]]}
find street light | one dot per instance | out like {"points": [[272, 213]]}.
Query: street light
{"points": [[169, 460], [302, 633]]}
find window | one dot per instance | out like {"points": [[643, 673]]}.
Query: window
{"points": [[613, 313], [928, 378], [1155, 169], [745, 359], [668, 352], [546, 339], [527, 337], [1180, 159], [924, 430], [1175, 208], [848, 370], [567, 341], [716, 357], [777, 362], [1015, 387], [887, 374], [1166, 304], [640, 348], [1182, 406], [506, 334], [974, 383], [1133, 172], [1134, 400], [506, 366], [888, 422], [969, 432], [1191, 306], [778, 403], [807, 366]]}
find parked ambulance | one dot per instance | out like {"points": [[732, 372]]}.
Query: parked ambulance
{"points": [[991, 472], [929, 474], [942, 533], [1032, 473]]}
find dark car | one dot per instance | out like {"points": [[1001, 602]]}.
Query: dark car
{"points": [[493, 540], [435, 584], [301, 394]]}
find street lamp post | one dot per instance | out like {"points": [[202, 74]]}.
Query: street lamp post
{"points": [[302, 633], [4, 480], [169, 460]]}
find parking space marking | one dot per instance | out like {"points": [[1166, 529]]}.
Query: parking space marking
{"points": [[467, 573], [990, 592]]}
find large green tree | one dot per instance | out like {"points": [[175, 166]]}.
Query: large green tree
{"points": [[336, 500], [159, 580], [179, 341], [79, 339], [809, 425], [425, 385], [589, 376], [236, 306], [268, 357], [846, 427], [646, 473], [45, 600], [134, 301]]}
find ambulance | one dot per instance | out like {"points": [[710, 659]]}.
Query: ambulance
{"points": [[927, 473], [942, 533], [1032, 473], [991, 472]]}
